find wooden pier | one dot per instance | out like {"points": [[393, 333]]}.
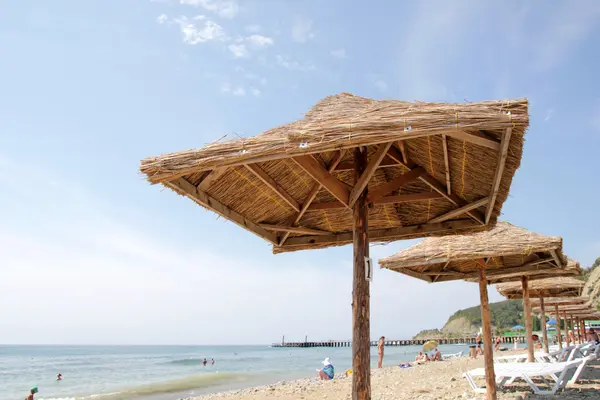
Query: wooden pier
{"points": [[393, 343]]}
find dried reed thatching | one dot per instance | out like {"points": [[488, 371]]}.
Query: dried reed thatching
{"points": [[561, 301], [550, 287], [462, 157], [511, 252], [568, 308]]}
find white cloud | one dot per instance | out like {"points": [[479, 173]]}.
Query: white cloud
{"points": [[251, 76], [256, 92], [302, 30], [200, 30], [380, 84], [238, 50], [253, 28], [162, 18], [223, 8], [293, 65], [567, 26], [260, 40], [339, 53], [234, 90], [93, 270]]}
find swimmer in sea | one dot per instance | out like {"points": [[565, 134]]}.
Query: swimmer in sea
{"points": [[33, 391], [59, 377], [204, 362], [212, 361]]}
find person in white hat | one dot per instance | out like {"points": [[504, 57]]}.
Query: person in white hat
{"points": [[327, 372]]}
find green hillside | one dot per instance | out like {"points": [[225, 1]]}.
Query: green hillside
{"points": [[504, 314]]}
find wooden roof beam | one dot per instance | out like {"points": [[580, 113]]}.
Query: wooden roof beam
{"points": [[410, 176], [335, 161], [294, 229], [367, 174], [273, 185], [210, 178], [446, 164], [475, 138], [460, 211], [437, 186], [183, 186], [402, 198], [499, 173], [556, 259], [381, 234], [312, 167]]}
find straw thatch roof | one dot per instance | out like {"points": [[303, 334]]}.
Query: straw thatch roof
{"points": [[433, 168], [511, 252], [550, 287], [569, 308], [561, 301]]}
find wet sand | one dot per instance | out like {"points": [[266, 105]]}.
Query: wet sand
{"points": [[433, 380]]}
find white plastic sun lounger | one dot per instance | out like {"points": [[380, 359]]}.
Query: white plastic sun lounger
{"points": [[452, 356], [506, 373], [592, 356]]}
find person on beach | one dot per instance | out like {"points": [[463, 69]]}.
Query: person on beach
{"points": [[592, 336], [33, 391], [421, 358], [571, 337], [380, 347], [497, 346], [437, 356], [204, 362], [327, 372]]}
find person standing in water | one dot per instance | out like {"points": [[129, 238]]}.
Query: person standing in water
{"points": [[33, 391], [59, 377], [212, 361], [204, 362], [380, 347]]}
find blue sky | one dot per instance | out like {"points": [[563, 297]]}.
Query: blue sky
{"points": [[90, 253]]}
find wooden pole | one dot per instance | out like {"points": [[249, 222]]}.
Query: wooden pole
{"points": [[528, 327], [583, 329], [567, 341], [578, 330], [573, 328], [558, 336], [488, 353], [543, 320], [361, 335]]}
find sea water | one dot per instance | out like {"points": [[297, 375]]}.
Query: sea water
{"points": [[166, 372]]}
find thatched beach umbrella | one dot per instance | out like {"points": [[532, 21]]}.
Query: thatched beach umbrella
{"points": [[504, 253], [558, 302], [354, 170], [541, 288], [573, 311]]}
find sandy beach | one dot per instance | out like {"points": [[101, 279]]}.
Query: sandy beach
{"points": [[434, 380]]}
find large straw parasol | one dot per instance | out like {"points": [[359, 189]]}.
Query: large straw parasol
{"points": [[541, 288], [506, 252], [558, 302], [354, 170], [571, 309]]}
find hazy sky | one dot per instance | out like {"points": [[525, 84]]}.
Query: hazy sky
{"points": [[91, 253]]}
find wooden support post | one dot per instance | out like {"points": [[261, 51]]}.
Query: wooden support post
{"points": [[543, 320], [573, 328], [361, 335], [488, 354], [579, 330], [558, 326], [583, 330], [528, 327], [567, 341]]}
